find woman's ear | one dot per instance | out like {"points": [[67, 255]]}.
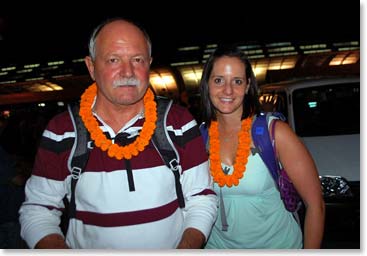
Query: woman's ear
{"points": [[248, 85]]}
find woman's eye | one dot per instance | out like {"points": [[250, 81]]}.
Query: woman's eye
{"points": [[238, 82], [218, 80]]}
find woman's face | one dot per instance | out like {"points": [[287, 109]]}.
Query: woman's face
{"points": [[228, 85]]}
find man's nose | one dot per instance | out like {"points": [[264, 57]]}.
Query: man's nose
{"points": [[126, 69]]}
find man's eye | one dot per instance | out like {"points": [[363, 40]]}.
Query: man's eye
{"points": [[138, 60], [112, 60]]}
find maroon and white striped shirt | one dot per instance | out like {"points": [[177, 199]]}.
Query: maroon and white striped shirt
{"points": [[111, 210]]}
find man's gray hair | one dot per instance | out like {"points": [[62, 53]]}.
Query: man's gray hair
{"points": [[93, 37]]}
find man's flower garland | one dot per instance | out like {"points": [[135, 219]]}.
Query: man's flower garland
{"points": [[101, 141], [243, 151]]}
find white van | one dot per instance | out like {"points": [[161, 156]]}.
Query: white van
{"points": [[325, 114]]}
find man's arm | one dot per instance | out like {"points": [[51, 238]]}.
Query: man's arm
{"points": [[39, 215], [201, 202], [53, 241], [191, 239]]}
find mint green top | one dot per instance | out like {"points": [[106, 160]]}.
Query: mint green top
{"points": [[255, 214]]}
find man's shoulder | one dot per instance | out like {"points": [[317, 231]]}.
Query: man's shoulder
{"points": [[60, 123], [179, 115], [179, 109]]}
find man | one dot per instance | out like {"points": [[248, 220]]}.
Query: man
{"points": [[126, 197]]}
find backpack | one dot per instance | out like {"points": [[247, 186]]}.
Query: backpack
{"points": [[79, 155], [264, 146]]}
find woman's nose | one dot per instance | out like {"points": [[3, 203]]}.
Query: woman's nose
{"points": [[228, 88]]}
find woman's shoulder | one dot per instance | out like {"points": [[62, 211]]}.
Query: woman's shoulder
{"points": [[271, 115]]}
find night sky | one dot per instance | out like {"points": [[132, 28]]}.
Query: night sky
{"points": [[61, 31]]}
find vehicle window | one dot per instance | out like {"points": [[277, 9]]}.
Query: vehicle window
{"points": [[274, 101], [327, 110]]}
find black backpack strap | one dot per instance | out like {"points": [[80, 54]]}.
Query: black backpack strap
{"points": [[165, 147], [79, 154]]}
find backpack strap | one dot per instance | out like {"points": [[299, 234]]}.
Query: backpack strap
{"points": [[79, 154], [204, 134], [266, 145], [223, 216], [165, 147], [80, 151], [262, 141]]}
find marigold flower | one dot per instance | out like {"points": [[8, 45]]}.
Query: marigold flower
{"points": [[243, 151], [101, 141]]}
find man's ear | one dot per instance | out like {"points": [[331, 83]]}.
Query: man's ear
{"points": [[90, 65]]}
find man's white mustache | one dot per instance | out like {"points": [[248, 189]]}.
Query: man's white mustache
{"points": [[126, 81]]}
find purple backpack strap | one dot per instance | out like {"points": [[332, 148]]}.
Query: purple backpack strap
{"points": [[204, 133], [272, 131], [262, 141]]}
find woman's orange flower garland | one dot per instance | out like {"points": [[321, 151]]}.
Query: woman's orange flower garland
{"points": [[243, 152], [101, 140]]}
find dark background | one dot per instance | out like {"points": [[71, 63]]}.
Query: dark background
{"points": [[36, 32]]}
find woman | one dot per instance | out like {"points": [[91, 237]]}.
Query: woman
{"points": [[251, 205]]}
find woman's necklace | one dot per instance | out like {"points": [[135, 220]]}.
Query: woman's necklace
{"points": [[101, 141], [243, 151]]}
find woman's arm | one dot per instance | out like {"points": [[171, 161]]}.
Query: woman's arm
{"points": [[301, 169]]}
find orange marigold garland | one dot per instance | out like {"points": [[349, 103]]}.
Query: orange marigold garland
{"points": [[243, 151], [101, 141]]}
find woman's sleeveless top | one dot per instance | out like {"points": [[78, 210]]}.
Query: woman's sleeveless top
{"points": [[255, 213]]}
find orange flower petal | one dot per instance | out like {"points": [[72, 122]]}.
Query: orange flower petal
{"points": [[243, 152], [101, 141]]}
